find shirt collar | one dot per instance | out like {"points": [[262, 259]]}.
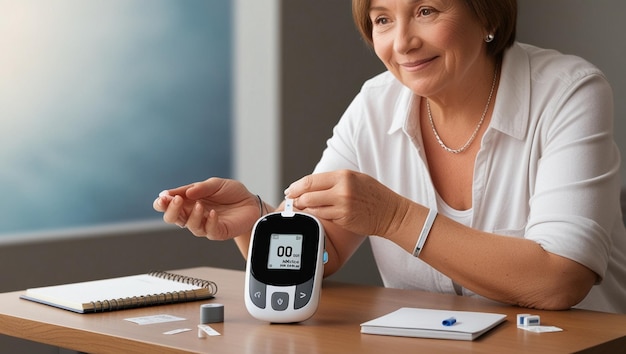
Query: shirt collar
{"points": [[512, 107], [401, 110]]}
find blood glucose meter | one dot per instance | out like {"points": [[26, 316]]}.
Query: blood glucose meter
{"points": [[285, 266]]}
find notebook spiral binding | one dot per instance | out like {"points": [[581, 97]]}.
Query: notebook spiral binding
{"points": [[160, 299], [212, 286]]}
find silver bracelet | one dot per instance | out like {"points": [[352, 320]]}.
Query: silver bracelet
{"points": [[260, 205], [428, 224]]}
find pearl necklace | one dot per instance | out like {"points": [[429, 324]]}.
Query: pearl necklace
{"points": [[480, 123]]}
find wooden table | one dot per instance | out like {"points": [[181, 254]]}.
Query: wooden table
{"points": [[334, 328]]}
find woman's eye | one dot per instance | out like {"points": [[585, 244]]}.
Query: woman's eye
{"points": [[381, 21], [426, 12]]}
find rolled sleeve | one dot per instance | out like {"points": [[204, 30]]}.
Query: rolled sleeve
{"points": [[573, 202]]}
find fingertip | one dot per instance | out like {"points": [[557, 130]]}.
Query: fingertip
{"points": [[211, 225], [168, 218], [290, 190], [164, 193], [211, 218]]}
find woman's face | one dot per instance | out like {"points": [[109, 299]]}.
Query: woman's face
{"points": [[431, 46]]}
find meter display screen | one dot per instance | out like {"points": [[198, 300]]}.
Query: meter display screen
{"points": [[285, 251]]}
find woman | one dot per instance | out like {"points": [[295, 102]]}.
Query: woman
{"points": [[482, 166]]}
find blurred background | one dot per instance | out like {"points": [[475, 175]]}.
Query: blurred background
{"points": [[103, 104]]}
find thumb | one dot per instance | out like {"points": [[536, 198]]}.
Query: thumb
{"points": [[205, 188]]}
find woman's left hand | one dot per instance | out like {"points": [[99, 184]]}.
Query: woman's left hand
{"points": [[351, 200]]}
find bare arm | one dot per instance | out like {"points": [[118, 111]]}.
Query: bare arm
{"points": [[506, 269]]}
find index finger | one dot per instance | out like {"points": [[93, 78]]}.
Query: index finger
{"points": [[310, 183], [182, 190], [205, 188]]}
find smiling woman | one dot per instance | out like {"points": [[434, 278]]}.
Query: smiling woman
{"points": [[96, 96], [456, 163]]}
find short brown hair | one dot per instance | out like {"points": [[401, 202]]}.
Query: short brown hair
{"points": [[499, 16]]}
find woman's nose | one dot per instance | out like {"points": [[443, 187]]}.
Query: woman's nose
{"points": [[406, 38]]}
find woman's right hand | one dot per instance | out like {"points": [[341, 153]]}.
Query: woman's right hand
{"points": [[216, 208]]}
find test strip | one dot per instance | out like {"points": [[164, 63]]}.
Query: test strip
{"points": [[541, 329], [206, 330], [288, 212], [176, 331]]}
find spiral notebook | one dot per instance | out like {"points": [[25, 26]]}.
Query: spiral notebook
{"points": [[154, 288]]}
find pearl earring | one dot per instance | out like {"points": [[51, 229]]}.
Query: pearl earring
{"points": [[489, 38]]}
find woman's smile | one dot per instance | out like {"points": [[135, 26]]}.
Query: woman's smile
{"points": [[416, 65]]}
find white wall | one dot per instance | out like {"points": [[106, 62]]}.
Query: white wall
{"points": [[594, 30], [256, 97]]}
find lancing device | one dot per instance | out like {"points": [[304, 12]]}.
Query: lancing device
{"points": [[285, 266]]}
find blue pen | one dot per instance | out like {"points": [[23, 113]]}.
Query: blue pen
{"points": [[449, 321]]}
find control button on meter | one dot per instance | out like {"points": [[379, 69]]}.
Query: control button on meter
{"points": [[303, 294], [257, 292], [280, 301]]}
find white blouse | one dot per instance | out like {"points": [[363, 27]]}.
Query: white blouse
{"points": [[547, 169]]}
